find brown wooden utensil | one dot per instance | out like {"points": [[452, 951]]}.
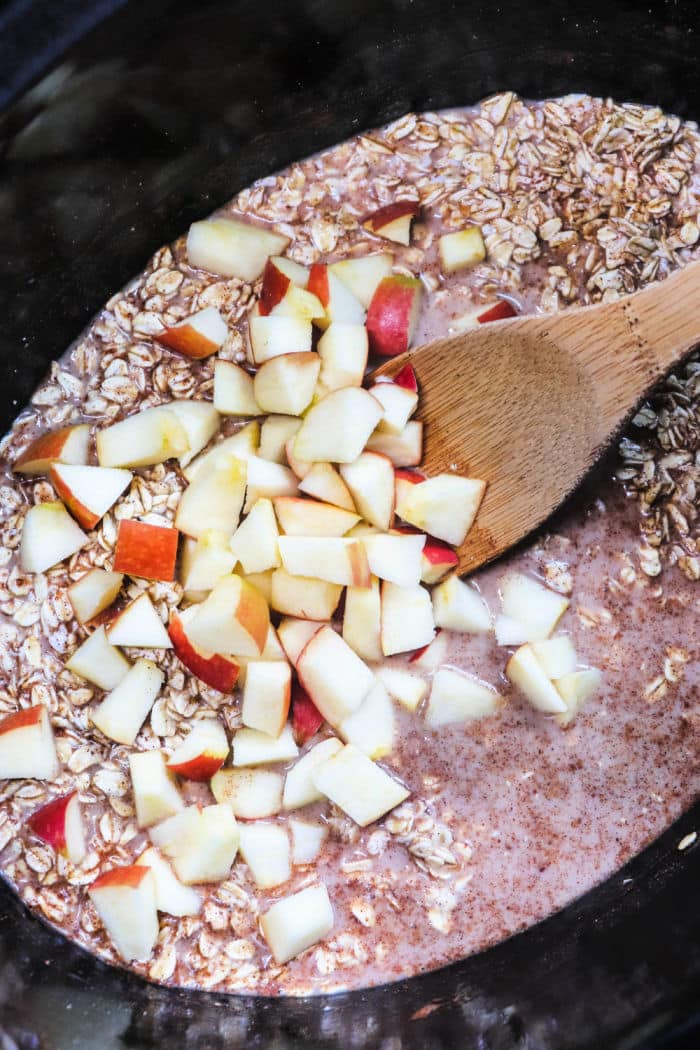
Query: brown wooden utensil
{"points": [[529, 404]]}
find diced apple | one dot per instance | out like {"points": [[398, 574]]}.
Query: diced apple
{"points": [[429, 657], [459, 607], [278, 275], [88, 492], [156, 796], [340, 304], [233, 620], [278, 334], [234, 393], [255, 543], [438, 560], [343, 350], [67, 445], [407, 378], [150, 436], [393, 221], [286, 384], [275, 432], [362, 621], [404, 449], [232, 248], [125, 901], [201, 843], [94, 592], [336, 429], [253, 748], [461, 249], [458, 697], [202, 752], [396, 557], [407, 618], [510, 632], [324, 483], [557, 656], [398, 403], [252, 794], [408, 689], [265, 849], [209, 559], [445, 506], [307, 840], [266, 696], [27, 748], [172, 896], [299, 467], [334, 676], [295, 923], [98, 661], [303, 597], [124, 710], [372, 728], [197, 336], [501, 310], [333, 559], [217, 671], [362, 275], [403, 478], [144, 550], [299, 787], [139, 625], [370, 479], [49, 535], [305, 517], [243, 444], [393, 314], [60, 823], [294, 634], [200, 421], [358, 786], [267, 480], [262, 581], [576, 689], [213, 500], [525, 672], [530, 603], [306, 717], [296, 302]]}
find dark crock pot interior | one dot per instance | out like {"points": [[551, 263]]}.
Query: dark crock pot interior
{"points": [[122, 123]]}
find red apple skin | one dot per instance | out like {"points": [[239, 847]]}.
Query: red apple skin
{"points": [[131, 875], [389, 213], [438, 560], [499, 312], [203, 767], [391, 314], [49, 822], [43, 449], [413, 477], [407, 379], [417, 653], [30, 716], [147, 551], [274, 288], [219, 672], [187, 341], [318, 283], [82, 514], [306, 717]]}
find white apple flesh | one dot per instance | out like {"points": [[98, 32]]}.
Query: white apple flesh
{"points": [[358, 786], [123, 711], [295, 923], [98, 661]]}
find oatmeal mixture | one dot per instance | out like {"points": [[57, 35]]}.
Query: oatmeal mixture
{"points": [[501, 819]]}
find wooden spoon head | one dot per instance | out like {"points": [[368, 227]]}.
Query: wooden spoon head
{"points": [[508, 405]]}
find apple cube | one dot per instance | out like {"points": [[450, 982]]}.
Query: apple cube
{"points": [[334, 559], [255, 543], [404, 449], [438, 560], [296, 302], [393, 314], [213, 500], [217, 671], [234, 394], [299, 787], [49, 535], [201, 843], [125, 901], [556, 655], [140, 626], [232, 248], [279, 274], [123, 711], [362, 275], [340, 304], [267, 480], [94, 592], [209, 558], [242, 445], [343, 350], [408, 689], [358, 786], [509, 631], [526, 673], [262, 581], [576, 689], [305, 517], [372, 728], [278, 334], [197, 336], [334, 676], [148, 551], [306, 717], [458, 697], [150, 436], [265, 849], [233, 620], [286, 384], [266, 696], [88, 492], [461, 249], [459, 607], [393, 221], [202, 752], [407, 618], [253, 748], [98, 661], [60, 823], [67, 445], [27, 748], [155, 792], [396, 557], [324, 483], [295, 923], [398, 403], [370, 479], [501, 310], [304, 597], [294, 634], [336, 429], [445, 506], [200, 421], [362, 621], [530, 603], [251, 793], [275, 432], [300, 468], [429, 657], [307, 840], [172, 896]]}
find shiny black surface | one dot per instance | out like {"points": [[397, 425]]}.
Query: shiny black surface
{"points": [[157, 115]]}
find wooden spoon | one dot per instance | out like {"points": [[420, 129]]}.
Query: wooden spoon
{"points": [[529, 404]]}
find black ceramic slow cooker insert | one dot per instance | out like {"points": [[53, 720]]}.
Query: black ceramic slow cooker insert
{"points": [[122, 122]]}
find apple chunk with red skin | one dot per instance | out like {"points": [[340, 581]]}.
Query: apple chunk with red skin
{"points": [[278, 275], [202, 752], [93, 593], [233, 620], [393, 314], [27, 747], [232, 248], [199, 335], [125, 901], [335, 297], [60, 823], [306, 717], [393, 221], [147, 551], [49, 535], [217, 671], [67, 445]]}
